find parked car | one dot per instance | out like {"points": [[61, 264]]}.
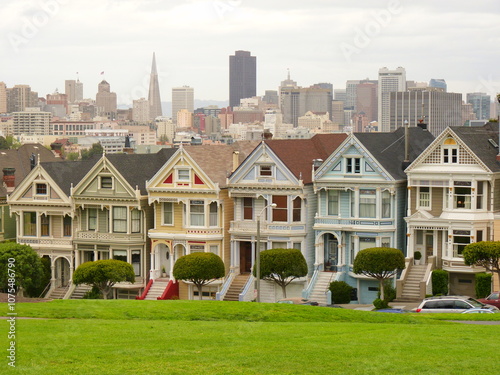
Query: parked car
{"points": [[492, 299], [480, 310], [450, 304], [298, 301]]}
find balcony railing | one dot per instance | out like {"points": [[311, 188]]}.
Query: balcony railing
{"points": [[99, 236], [45, 241], [251, 226], [354, 221]]}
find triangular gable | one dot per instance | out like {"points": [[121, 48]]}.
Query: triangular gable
{"points": [[421, 215], [96, 183], [433, 154], [263, 166], [333, 166], [181, 172]]}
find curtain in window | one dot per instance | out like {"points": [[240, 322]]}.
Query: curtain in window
{"points": [[136, 221], [367, 203], [197, 214], [168, 213], [333, 202], [120, 219]]}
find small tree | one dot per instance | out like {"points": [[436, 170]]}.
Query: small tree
{"points": [[282, 266], [96, 149], [341, 292], [440, 282], [380, 263], [104, 274], [483, 284], [26, 269], [199, 268], [484, 254]]}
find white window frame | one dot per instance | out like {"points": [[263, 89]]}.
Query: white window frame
{"points": [[163, 221], [330, 202], [421, 199], [194, 203], [353, 165], [181, 177], [101, 178], [268, 169]]}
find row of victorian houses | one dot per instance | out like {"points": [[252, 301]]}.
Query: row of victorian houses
{"points": [[329, 196]]}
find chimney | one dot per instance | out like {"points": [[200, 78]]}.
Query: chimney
{"points": [[422, 126], [9, 178], [56, 148], [317, 163], [406, 162], [236, 160]]}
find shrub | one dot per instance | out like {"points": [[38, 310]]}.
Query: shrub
{"points": [[380, 304], [341, 292], [93, 293], [389, 291], [417, 255], [439, 282], [483, 284]]}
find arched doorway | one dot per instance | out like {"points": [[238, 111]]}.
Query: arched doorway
{"points": [[63, 275], [331, 252], [162, 259]]}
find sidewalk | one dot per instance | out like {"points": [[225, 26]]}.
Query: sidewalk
{"points": [[395, 305]]}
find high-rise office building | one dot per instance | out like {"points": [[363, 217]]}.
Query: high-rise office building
{"points": [[438, 83], [388, 81], [295, 102], [140, 111], [366, 101], [480, 104], [73, 90], [436, 108], [242, 77], [154, 92], [340, 94], [21, 97], [182, 98], [105, 100], [3, 97]]}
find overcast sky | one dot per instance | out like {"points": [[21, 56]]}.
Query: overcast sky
{"points": [[45, 42]]}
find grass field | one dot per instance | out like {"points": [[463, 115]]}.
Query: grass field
{"points": [[191, 337]]}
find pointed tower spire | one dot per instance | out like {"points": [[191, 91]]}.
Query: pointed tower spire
{"points": [[154, 92]]}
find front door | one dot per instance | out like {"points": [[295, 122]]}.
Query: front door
{"points": [[245, 257], [331, 253], [429, 245]]}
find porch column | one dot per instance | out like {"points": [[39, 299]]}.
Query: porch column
{"points": [[71, 268], [151, 271], [52, 273]]}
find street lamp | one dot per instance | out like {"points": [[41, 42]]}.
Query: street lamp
{"points": [[257, 252]]}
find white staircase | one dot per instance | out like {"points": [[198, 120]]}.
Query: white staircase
{"points": [[157, 289], [58, 293], [80, 291], [318, 294], [411, 289], [236, 287], [268, 291]]}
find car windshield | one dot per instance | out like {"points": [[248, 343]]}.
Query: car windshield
{"points": [[475, 303]]}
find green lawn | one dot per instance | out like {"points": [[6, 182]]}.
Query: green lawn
{"points": [[190, 337]]}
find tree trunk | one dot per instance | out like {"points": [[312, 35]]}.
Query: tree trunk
{"points": [[199, 291], [283, 288], [381, 287]]}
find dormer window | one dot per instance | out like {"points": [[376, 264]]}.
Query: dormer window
{"points": [[183, 174], [41, 189], [450, 151], [106, 182], [353, 165], [265, 171]]}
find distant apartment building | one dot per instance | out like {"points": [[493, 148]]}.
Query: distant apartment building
{"points": [[140, 111], [182, 98], [3, 97], [242, 77], [271, 98], [31, 121], [437, 109], [57, 104], [21, 97], [468, 114], [366, 100], [439, 83], [105, 100], [184, 119], [165, 129], [295, 102], [73, 90], [66, 129], [480, 104], [388, 81]]}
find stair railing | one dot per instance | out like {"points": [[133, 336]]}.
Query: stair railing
{"points": [[247, 293], [307, 291], [146, 290], [45, 289], [219, 296]]}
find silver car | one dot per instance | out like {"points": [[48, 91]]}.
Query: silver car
{"points": [[450, 304]]}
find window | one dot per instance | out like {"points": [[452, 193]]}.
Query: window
{"points": [[479, 195], [106, 182], [45, 225], [197, 210], [29, 221], [280, 212], [213, 218], [366, 242], [462, 195], [450, 155], [136, 262], [479, 236], [352, 199], [296, 211], [214, 249], [353, 165], [424, 197], [367, 203], [41, 189], [386, 204], [265, 171], [333, 202], [135, 217], [385, 242], [196, 249], [120, 255], [279, 245], [297, 245], [168, 213], [461, 238], [247, 208], [183, 174], [67, 226], [120, 219], [92, 225]]}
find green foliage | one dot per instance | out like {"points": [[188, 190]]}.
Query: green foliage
{"points": [[380, 263], [12, 142], [96, 149], [3, 144], [103, 274], [26, 268], [341, 292], [389, 291], [417, 255], [199, 268], [93, 293], [439, 282], [380, 304], [484, 254], [45, 280], [483, 284], [72, 156], [282, 266]]}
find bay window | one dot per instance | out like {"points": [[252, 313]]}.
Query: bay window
{"points": [[333, 202], [197, 213], [280, 212], [367, 203], [168, 213]]}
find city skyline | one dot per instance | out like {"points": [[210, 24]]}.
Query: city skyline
{"points": [[317, 41]]}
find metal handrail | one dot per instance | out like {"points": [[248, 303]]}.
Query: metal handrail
{"points": [[45, 289], [307, 291]]}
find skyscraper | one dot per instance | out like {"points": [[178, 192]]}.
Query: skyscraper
{"points": [[105, 100], [3, 97], [439, 83], [154, 92], [74, 90], [182, 98], [242, 77], [480, 104], [388, 81], [296, 101]]}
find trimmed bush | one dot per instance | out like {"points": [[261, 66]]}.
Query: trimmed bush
{"points": [[417, 255], [439, 282], [341, 292], [380, 304], [389, 291], [93, 293], [483, 284]]}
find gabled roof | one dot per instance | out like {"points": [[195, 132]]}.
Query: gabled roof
{"points": [[389, 148], [477, 139], [217, 160], [298, 154], [68, 173]]}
